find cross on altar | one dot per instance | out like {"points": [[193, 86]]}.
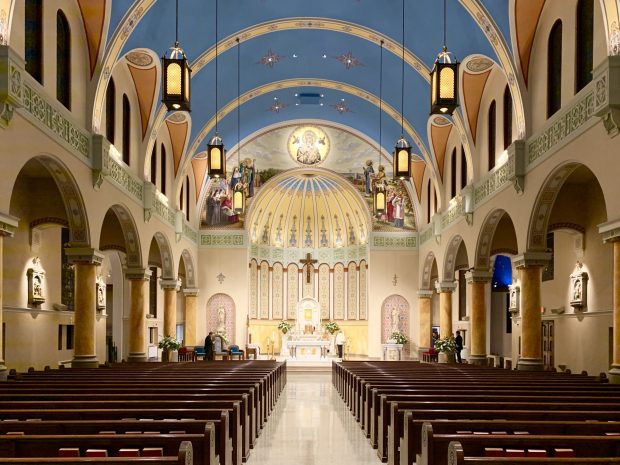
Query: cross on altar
{"points": [[308, 261]]}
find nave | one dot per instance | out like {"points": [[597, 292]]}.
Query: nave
{"points": [[311, 425]]}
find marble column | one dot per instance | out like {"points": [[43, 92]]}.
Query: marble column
{"points": [[611, 233], [445, 290], [530, 266], [191, 304], [478, 280], [138, 279], [424, 305], [170, 287], [8, 226], [85, 262]]}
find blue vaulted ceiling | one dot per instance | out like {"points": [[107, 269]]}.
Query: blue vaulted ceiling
{"points": [[300, 55]]}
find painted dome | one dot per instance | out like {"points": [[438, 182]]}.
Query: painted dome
{"points": [[308, 208]]}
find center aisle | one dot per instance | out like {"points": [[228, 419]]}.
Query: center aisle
{"points": [[311, 425]]}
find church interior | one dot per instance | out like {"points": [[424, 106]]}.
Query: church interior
{"points": [[342, 186], [118, 229]]}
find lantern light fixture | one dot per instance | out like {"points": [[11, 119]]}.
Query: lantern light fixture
{"points": [[176, 75], [238, 194], [216, 153], [401, 159], [444, 79], [378, 189]]}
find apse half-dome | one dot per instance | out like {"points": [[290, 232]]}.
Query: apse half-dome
{"points": [[308, 208]]}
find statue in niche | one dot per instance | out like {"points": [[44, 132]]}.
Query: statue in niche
{"points": [[395, 320], [35, 283], [579, 289], [221, 321]]}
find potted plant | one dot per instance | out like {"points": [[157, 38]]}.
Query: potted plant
{"points": [[331, 327], [399, 338], [446, 347], [170, 347], [284, 326]]}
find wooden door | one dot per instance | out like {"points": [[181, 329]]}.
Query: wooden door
{"points": [[547, 344]]}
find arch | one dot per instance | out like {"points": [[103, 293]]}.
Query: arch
{"points": [[395, 317], [167, 262], [217, 302], [452, 251], [110, 112], [427, 270], [190, 271], [131, 237], [543, 207], [482, 260], [554, 69], [79, 231]]}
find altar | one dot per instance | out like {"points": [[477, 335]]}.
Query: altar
{"points": [[307, 340]]}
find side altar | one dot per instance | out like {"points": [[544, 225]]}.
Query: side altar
{"points": [[307, 340]]}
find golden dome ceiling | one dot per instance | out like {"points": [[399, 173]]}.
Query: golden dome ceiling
{"points": [[308, 208]]}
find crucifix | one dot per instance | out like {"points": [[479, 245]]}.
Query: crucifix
{"points": [[308, 261]]}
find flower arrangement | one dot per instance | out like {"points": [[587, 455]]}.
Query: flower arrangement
{"points": [[169, 344], [331, 327], [284, 326], [222, 334], [447, 345], [399, 338]]}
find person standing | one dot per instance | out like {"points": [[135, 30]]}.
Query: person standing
{"points": [[459, 346], [209, 346], [340, 340]]}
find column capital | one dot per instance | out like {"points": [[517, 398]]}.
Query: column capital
{"points": [[8, 225], [425, 294], [445, 286], [532, 259], [610, 231], [170, 284], [191, 292], [138, 274], [478, 276], [84, 256]]}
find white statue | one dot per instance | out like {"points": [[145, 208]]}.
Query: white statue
{"points": [[221, 321], [395, 320]]}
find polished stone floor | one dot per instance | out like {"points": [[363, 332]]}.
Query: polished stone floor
{"points": [[311, 425]]}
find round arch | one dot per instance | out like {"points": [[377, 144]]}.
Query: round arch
{"points": [[395, 317], [427, 269], [130, 234], [482, 260], [167, 262], [221, 313], [449, 264], [190, 273]]}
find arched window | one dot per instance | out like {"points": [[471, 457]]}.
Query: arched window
{"points": [[584, 43], [33, 40], [428, 198], [110, 111], [154, 164], [63, 60], [126, 129], [453, 174], [434, 200], [187, 198], [162, 155], [491, 135], [554, 69], [507, 118], [181, 197], [463, 168]]}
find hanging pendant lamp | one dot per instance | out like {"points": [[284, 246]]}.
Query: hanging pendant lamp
{"points": [[402, 151], [238, 200], [216, 154], [176, 75], [378, 191], [444, 79]]}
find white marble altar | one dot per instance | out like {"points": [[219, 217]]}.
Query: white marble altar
{"points": [[392, 351], [307, 340]]}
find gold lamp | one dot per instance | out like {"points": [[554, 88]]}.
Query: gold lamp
{"points": [[238, 200], [444, 79], [176, 76], [401, 158], [216, 154], [378, 190]]}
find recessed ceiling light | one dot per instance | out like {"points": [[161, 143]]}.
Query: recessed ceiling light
{"points": [[295, 55], [296, 95], [321, 103], [322, 95], [324, 56]]}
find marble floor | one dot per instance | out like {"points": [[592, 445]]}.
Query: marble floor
{"points": [[311, 425]]}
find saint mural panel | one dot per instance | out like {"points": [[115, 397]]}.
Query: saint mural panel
{"points": [[308, 145]]}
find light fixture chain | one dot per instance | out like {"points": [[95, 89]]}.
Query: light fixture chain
{"points": [[445, 41], [402, 83], [238, 99], [216, 88], [380, 101], [176, 34]]}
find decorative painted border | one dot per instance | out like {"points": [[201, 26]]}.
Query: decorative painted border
{"points": [[393, 241], [426, 235], [236, 240], [456, 211], [292, 255], [190, 232]]}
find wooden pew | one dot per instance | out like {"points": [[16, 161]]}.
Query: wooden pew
{"points": [[435, 446]]}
